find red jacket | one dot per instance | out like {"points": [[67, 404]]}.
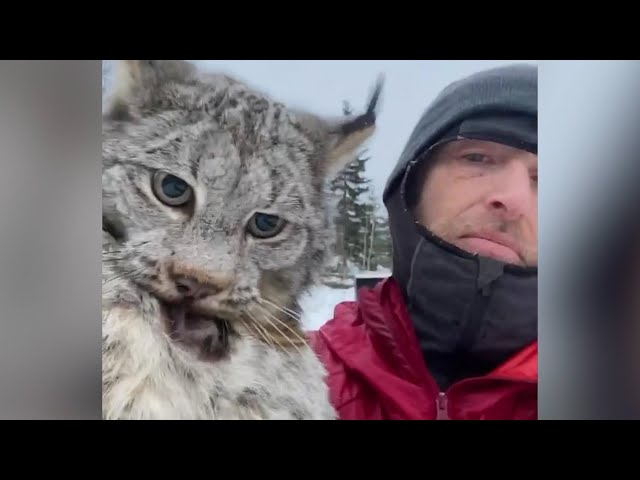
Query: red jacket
{"points": [[377, 372]]}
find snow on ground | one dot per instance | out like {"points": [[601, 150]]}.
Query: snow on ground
{"points": [[317, 306], [381, 272]]}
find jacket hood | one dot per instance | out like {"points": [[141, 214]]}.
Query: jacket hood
{"points": [[470, 313]]}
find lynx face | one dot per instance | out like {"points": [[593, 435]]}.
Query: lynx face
{"points": [[213, 204]]}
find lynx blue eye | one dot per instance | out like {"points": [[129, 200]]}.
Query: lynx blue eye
{"points": [[170, 189], [173, 187], [264, 225]]}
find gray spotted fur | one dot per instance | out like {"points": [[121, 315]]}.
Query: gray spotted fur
{"points": [[241, 152]]}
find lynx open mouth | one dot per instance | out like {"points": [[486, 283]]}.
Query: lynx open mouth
{"points": [[207, 336]]}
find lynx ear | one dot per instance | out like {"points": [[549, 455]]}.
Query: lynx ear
{"points": [[347, 135], [137, 82]]}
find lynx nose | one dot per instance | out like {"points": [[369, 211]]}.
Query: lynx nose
{"points": [[195, 285]]}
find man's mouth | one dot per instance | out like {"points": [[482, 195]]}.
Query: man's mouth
{"points": [[493, 245], [206, 335]]}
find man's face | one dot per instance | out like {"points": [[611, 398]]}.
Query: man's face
{"points": [[483, 197]]}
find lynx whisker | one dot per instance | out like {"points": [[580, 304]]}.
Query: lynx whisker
{"points": [[122, 275], [287, 311], [246, 325], [113, 255], [288, 327], [282, 334], [263, 332]]}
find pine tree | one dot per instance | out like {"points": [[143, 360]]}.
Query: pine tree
{"points": [[381, 241], [367, 230], [347, 189], [376, 235]]}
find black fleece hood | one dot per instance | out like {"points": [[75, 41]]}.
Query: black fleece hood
{"points": [[470, 313]]}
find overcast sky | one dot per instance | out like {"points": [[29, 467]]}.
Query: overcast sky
{"points": [[322, 85]]}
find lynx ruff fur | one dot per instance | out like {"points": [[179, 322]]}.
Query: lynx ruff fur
{"points": [[232, 346]]}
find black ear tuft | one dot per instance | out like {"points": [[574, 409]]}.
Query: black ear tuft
{"points": [[348, 135], [367, 119], [374, 101]]}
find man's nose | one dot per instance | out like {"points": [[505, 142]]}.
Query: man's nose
{"points": [[513, 192], [194, 283]]}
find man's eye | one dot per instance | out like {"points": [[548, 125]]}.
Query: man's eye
{"points": [[476, 158]]}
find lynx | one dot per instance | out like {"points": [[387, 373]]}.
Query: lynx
{"points": [[214, 223]]}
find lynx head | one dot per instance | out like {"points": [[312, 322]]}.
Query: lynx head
{"points": [[213, 198]]}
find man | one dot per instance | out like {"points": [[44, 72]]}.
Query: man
{"points": [[453, 333]]}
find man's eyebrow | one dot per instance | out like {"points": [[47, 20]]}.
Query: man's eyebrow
{"points": [[471, 147]]}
